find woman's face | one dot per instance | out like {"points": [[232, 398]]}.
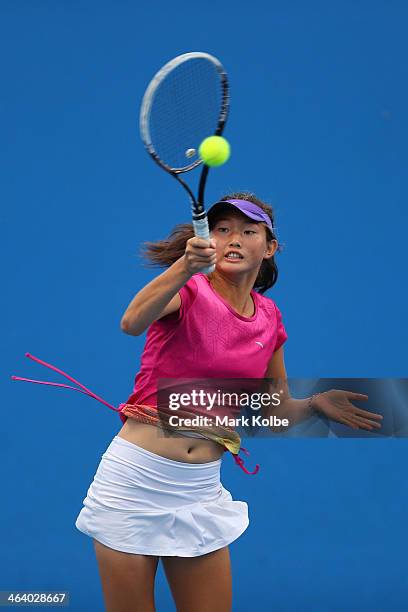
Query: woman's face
{"points": [[234, 231]]}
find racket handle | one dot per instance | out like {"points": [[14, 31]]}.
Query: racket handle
{"points": [[201, 230]]}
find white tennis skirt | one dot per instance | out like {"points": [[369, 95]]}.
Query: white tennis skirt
{"points": [[142, 503]]}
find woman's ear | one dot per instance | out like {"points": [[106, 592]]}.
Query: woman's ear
{"points": [[271, 248]]}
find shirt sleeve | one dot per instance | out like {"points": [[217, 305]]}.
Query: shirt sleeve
{"points": [[282, 336], [187, 293]]}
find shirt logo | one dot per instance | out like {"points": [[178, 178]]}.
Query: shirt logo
{"points": [[260, 343]]}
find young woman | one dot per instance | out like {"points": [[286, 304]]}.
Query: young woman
{"points": [[191, 319], [160, 496]]}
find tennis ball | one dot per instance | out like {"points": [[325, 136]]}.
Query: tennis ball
{"points": [[214, 151]]}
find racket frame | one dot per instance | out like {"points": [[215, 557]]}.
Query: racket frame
{"points": [[199, 215]]}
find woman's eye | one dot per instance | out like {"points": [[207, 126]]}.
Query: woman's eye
{"points": [[226, 228]]}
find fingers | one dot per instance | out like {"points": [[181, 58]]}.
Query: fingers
{"points": [[359, 411], [201, 243], [348, 422], [200, 253], [201, 247], [355, 424], [370, 415], [358, 422], [366, 414], [368, 422], [345, 412], [357, 396]]}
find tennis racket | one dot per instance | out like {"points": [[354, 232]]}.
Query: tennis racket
{"points": [[186, 101]]}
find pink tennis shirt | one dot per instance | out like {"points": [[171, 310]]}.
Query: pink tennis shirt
{"points": [[207, 338]]}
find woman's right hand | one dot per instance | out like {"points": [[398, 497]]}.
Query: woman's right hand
{"points": [[199, 254]]}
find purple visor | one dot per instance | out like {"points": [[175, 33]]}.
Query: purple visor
{"points": [[251, 210]]}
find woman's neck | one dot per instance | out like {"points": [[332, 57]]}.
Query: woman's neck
{"points": [[237, 295]]}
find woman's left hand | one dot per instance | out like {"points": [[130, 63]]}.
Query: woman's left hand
{"points": [[336, 405]]}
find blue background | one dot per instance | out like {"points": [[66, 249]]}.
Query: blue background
{"points": [[318, 128]]}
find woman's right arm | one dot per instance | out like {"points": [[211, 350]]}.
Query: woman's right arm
{"points": [[160, 297], [157, 299]]}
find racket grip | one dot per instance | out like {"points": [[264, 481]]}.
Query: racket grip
{"points": [[208, 270], [202, 230]]}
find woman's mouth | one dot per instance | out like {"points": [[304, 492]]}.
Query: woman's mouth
{"points": [[233, 257]]}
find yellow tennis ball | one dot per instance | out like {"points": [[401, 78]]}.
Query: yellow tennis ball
{"points": [[214, 151]]}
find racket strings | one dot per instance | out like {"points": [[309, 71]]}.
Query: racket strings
{"points": [[185, 109]]}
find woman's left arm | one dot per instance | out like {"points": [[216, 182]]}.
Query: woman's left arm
{"points": [[334, 404]]}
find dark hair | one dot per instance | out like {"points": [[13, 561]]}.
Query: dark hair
{"points": [[166, 252]]}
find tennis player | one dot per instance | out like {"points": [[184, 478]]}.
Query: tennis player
{"points": [[157, 496], [160, 496]]}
